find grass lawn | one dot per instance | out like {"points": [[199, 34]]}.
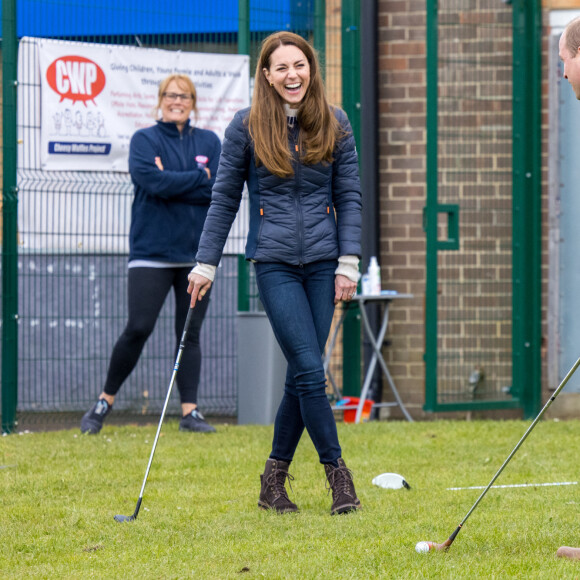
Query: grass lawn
{"points": [[59, 492]]}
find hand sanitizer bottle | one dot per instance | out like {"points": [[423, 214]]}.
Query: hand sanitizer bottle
{"points": [[374, 273]]}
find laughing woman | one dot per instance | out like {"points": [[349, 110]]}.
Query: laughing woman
{"points": [[297, 154]]}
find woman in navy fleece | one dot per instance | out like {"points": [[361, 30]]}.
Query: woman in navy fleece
{"points": [[172, 166]]}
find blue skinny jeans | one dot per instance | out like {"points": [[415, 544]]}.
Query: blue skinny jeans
{"points": [[299, 302]]}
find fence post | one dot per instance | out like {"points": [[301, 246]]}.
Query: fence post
{"points": [[243, 48], [430, 209], [320, 33], [9, 221], [243, 26], [527, 190], [351, 97]]}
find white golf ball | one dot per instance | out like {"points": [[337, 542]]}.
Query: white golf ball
{"points": [[422, 547]]}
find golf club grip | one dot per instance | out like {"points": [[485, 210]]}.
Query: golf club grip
{"points": [[186, 328]]}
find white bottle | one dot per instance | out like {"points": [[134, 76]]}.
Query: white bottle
{"points": [[374, 273]]}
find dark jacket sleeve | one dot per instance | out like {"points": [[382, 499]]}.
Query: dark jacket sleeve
{"points": [[191, 186], [346, 191], [227, 191]]}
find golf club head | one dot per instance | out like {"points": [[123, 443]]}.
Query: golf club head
{"points": [[447, 543], [119, 518], [440, 547], [390, 481]]}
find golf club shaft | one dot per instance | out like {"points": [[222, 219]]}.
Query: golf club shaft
{"points": [[549, 402], [173, 375]]}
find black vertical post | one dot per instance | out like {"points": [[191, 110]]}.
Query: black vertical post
{"points": [[368, 163], [527, 210]]}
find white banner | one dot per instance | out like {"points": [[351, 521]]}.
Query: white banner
{"points": [[83, 102], [94, 97]]}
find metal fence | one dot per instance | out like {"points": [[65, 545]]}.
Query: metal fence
{"points": [[71, 304]]}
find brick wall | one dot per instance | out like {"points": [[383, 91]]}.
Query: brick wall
{"points": [[475, 322]]}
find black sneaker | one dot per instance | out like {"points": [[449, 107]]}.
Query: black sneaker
{"points": [[92, 421], [194, 421]]}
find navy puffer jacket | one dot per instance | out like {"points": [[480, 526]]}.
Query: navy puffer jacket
{"points": [[292, 220]]}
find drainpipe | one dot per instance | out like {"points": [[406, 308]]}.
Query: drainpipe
{"points": [[369, 163]]}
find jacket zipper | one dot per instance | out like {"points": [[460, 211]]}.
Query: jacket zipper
{"points": [[183, 156], [299, 216]]}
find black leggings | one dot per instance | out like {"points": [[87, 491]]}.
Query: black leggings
{"points": [[147, 290]]}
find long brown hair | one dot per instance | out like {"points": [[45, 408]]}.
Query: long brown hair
{"points": [[319, 129]]}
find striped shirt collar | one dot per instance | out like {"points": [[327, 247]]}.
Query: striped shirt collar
{"points": [[291, 114]]}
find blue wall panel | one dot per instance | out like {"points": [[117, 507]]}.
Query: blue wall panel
{"points": [[61, 18]]}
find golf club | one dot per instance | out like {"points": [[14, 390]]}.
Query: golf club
{"points": [[445, 545], [121, 518]]}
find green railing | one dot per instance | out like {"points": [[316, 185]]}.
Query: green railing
{"points": [[482, 217], [9, 215]]}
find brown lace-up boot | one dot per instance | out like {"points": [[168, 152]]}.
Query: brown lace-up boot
{"points": [[273, 495], [340, 481]]}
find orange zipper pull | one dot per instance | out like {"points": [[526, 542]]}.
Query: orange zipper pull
{"points": [[261, 211], [296, 147]]}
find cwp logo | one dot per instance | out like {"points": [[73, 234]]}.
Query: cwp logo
{"points": [[76, 78]]}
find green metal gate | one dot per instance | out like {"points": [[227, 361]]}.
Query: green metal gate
{"points": [[482, 217]]}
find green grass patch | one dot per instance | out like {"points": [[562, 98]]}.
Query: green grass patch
{"points": [[59, 492]]}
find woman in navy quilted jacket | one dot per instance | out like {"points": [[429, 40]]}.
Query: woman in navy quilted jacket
{"points": [[297, 155], [172, 166]]}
